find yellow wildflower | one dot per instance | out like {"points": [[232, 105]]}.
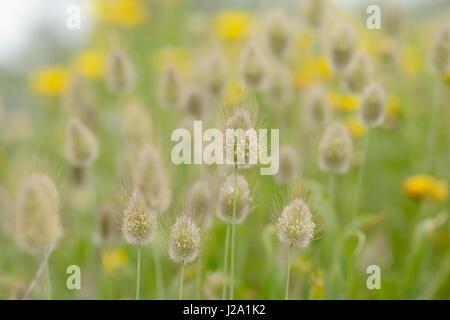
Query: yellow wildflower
{"points": [[113, 260], [355, 126], [232, 24], [126, 13], [90, 63], [345, 102], [178, 56], [426, 187], [49, 81], [410, 61], [313, 69]]}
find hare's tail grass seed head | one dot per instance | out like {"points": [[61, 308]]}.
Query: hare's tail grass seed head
{"points": [[169, 87], [440, 50], [81, 147], [150, 179], [295, 225], [228, 193], [314, 12], [139, 223], [342, 46], [253, 66], [277, 32], [372, 105], [184, 240], [199, 203], [317, 109], [336, 149], [359, 72], [120, 71], [215, 73], [37, 222], [289, 164], [194, 101]]}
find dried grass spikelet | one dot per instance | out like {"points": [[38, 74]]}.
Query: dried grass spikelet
{"points": [[359, 73], [295, 225], [226, 198], [169, 87], [184, 240], [289, 164], [317, 108], [279, 89], [199, 203], [372, 106], [314, 11], [342, 46], [253, 66], [194, 100], [241, 149], [139, 223], [81, 148], [440, 51], [336, 149], [135, 122], [277, 32], [120, 71], [36, 218], [78, 96], [215, 73], [150, 179]]}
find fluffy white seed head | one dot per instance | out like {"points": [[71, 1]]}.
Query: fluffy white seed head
{"points": [[336, 149], [169, 87], [194, 100], [295, 225], [342, 46], [315, 11], [359, 73], [184, 240], [139, 223], [230, 193], [440, 52], [120, 71], [150, 180], [289, 164], [372, 106], [81, 148], [214, 72], [277, 32], [37, 222], [199, 203], [253, 67], [317, 108]]}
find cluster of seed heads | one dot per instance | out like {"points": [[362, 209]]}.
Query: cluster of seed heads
{"points": [[295, 225], [139, 222], [120, 71], [36, 218], [81, 148], [151, 181], [336, 149], [372, 106], [184, 240], [232, 193]]}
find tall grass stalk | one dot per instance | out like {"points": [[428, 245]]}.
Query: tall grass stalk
{"points": [[225, 263], [288, 272], [40, 271], [138, 272], [180, 295], [198, 278], [433, 127], [360, 176], [158, 273], [233, 237]]}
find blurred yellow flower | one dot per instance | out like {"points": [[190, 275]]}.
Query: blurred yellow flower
{"points": [[410, 61], [178, 56], [113, 260], [312, 70], [355, 126], [233, 92], [426, 187], [126, 13], [90, 63], [232, 24], [317, 288], [49, 81], [345, 102]]}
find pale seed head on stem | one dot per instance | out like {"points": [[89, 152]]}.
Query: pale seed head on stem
{"points": [[169, 87], [199, 203], [440, 51], [253, 67], [342, 46], [228, 193], [277, 32], [359, 72], [289, 164], [184, 240], [336, 149], [317, 108], [81, 148], [372, 106], [120, 71]]}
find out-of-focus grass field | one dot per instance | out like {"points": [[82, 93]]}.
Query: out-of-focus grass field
{"points": [[392, 229]]}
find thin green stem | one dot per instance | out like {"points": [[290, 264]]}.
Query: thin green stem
{"points": [[433, 127], [158, 273], [39, 273], [48, 281], [180, 295], [198, 278], [360, 176], [288, 273], [233, 236], [225, 262], [138, 272]]}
